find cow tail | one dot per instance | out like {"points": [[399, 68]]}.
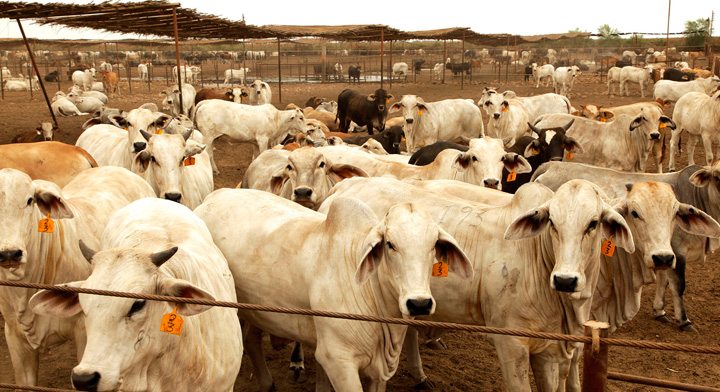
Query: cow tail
{"points": [[662, 150], [567, 104]]}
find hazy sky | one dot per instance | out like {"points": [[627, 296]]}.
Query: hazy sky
{"points": [[515, 17]]}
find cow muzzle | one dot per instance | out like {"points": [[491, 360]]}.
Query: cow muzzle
{"points": [[409, 120], [85, 381], [420, 306], [493, 183], [496, 115], [139, 146], [665, 261], [173, 196], [655, 136], [302, 195], [565, 283], [11, 258]]}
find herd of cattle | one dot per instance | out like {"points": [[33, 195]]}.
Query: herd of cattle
{"points": [[432, 214]]}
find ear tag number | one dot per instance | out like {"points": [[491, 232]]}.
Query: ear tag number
{"points": [[159, 131], [189, 161], [662, 125], [511, 176], [46, 225], [608, 247], [440, 269], [569, 155], [172, 323]]}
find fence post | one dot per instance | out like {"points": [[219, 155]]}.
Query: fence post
{"points": [[595, 358], [128, 70], [217, 79]]}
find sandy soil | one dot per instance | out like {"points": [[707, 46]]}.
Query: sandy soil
{"points": [[470, 363]]}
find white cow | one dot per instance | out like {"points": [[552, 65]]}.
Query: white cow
{"points": [[79, 211], [630, 55], [699, 115], [671, 91], [428, 122], [87, 104], [613, 76], [400, 70], [98, 86], [171, 99], [20, 84], [262, 125], [641, 76], [84, 79], [535, 106], [338, 71], [154, 247], [564, 78], [233, 75], [178, 169], [142, 71], [544, 71], [186, 71], [107, 67], [259, 93], [63, 107], [96, 94], [536, 263], [437, 71], [304, 176], [371, 266], [508, 118]]}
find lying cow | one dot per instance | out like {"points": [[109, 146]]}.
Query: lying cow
{"points": [[390, 139], [42, 133]]}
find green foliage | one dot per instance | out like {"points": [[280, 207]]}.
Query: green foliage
{"points": [[696, 31]]}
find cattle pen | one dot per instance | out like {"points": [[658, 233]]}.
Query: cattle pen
{"points": [[595, 342]]}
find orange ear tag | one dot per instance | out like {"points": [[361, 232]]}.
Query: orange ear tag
{"points": [[569, 155], [125, 129], [511, 176], [46, 225], [608, 247], [387, 101], [440, 269], [603, 119], [662, 125], [172, 323], [504, 109], [189, 161], [420, 112], [159, 131]]}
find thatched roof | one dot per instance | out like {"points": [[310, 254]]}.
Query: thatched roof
{"points": [[552, 37], [338, 33]]}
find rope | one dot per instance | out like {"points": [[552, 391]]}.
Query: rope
{"points": [[29, 388], [388, 320], [633, 379]]}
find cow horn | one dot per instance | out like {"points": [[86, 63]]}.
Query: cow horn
{"points": [[186, 135], [568, 125], [146, 135], [159, 258], [534, 129], [87, 253]]}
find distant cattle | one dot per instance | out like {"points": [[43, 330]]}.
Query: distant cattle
{"points": [[354, 73]]}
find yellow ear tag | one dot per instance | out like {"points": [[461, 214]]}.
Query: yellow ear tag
{"points": [[387, 101], [504, 109], [440, 269], [189, 161], [159, 131], [511, 176], [608, 247], [662, 125], [172, 323], [420, 112], [569, 155], [46, 225], [603, 119]]}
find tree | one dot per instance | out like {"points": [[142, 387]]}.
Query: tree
{"points": [[607, 32], [696, 31]]}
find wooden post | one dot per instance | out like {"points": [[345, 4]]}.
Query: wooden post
{"points": [[42, 85], [217, 79], [2, 86], [595, 358], [279, 73], [149, 74], [390, 63], [177, 56], [323, 62], [462, 62], [306, 70], [167, 78], [382, 55], [129, 76], [444, 59], [57, 64]]}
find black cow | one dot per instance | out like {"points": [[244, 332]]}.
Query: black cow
{"points": [[52, 77], [538, 151], [457, 68], [417, 64], [623, 63], [678, 75], [365, 110], [528, 72], [354, 73], [426, 154], [390, 139]]}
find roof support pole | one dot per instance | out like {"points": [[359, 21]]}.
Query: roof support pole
{"points": [[462, 62], [443, 60], [667, 33], [177, 57], [37, 72], [279, 72], [391, 64], [382, 56]]}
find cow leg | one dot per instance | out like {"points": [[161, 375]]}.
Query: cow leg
{"points": [[322, 382], [676, 280], [252, 341], [209, 148], [545, 371], [692, 142], [337, 361], [297, 360], [707, 143], [25, 359], [514, 362], [674, 145], [661, 283], [411, 347], [657, 149], [572, 382]]}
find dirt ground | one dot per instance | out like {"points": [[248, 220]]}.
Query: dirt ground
{"points": [[469, 363]]}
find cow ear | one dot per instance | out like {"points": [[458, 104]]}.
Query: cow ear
{"points": [[193, 148], [339, 172], [509, 94], [697, 222], [463, 159], [572, 145], [422, 106], [636, 123], [389, 96], [278, 180], [668, 121], [184, 289], [532, 149], [49, 199], [614, 226], [516, 163], [529, 224], [370, 254], [56, 303], [395, 107], [141, 161], [371, 97], [448, 250], [701, 178]]}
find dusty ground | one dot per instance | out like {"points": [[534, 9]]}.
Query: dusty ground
{"points": [[470, 363]]}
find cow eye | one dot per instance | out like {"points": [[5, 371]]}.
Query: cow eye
{"points": [[487, 103], [474, 159], [29, 201], [288, 168], [592, 226], [391, 246], [635, 214], [322, 164], [136, 307], [152, 159]]}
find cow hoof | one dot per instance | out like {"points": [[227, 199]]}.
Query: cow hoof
{"points": [[688, 327], [297, 370], [424, 385], [436, 344], [663, 318]]}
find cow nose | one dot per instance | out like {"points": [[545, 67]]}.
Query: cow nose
{"points": [[302, 193], [654, 136], [173, 196], [381, 107], [13, 255], [663, 261], [139, 146], [409, 120], [496, 115], [419, 307], [85, 382], [491, 183], [564, 283]]}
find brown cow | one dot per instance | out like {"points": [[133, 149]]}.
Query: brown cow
{"points": [[226, 94], [110, 82], [51, 161], [44, 132]]}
